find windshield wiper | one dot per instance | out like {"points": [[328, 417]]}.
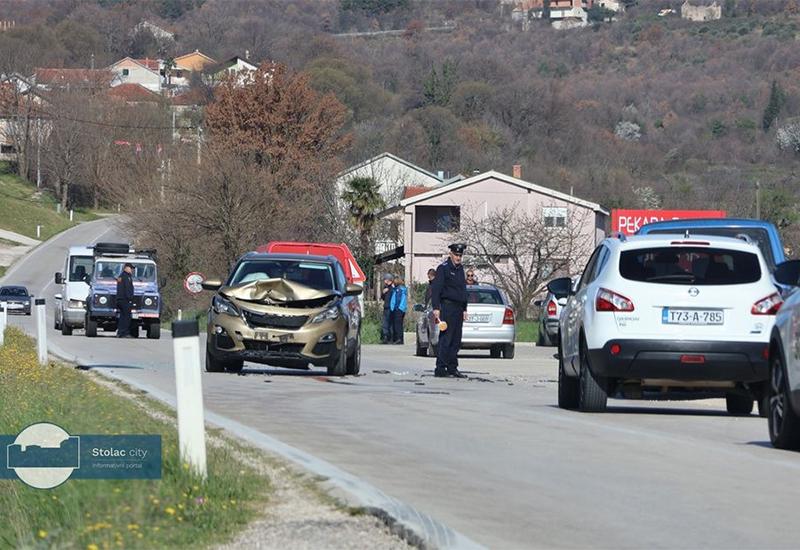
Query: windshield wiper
{"points": [[688, 277]]}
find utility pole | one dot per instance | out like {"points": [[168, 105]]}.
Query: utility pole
{"points": [[39, 151], [758, 200]]}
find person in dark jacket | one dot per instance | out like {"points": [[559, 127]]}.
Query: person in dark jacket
{"points": [[399, 306], [386, 296], [125, 301], [431, 277], [449, 302]]}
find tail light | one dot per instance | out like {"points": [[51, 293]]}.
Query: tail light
{"points": [[508, 317], [552, 308], [767, 306], [611, 301]]}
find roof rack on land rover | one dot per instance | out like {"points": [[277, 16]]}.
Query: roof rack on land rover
{"points": [[123, 250]]}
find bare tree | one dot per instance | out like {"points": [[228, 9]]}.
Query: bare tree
{"points": [[521, 252]]}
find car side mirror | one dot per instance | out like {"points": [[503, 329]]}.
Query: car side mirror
{"points": [[57, 296], [59, 278], [419, 307], [354, 290], [211, 284], [561, 288], [788, 273], [562, 301]]}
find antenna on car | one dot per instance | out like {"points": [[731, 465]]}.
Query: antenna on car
{"points": [[621, 236]]}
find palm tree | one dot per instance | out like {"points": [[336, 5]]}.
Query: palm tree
{"points": [[169, 65], [364, 201]]}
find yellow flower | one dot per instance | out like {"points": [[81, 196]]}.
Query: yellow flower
{"points": [[170, 510], [233, 502], [155, 501], [117, 490], [42, 534], [132, 527], [139, 536], [92, 546]]}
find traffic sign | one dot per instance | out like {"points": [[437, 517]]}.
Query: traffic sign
{"points": [[193, 282]]}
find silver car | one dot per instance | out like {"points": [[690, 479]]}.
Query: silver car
{"points": [[490, 324], [550, 312]]}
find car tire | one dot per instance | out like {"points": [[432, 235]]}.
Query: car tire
{"points": [[783, 421], [213, 364], [154, 331], [567, 385], [354, 361], [592, 389], [738, 404], [134, 331], [508, 351], [91, 327], [56, 325], [544, 338], [495, 352], [338, 364], [422, 351], [235, 366], [432, 349], [66, 330]]}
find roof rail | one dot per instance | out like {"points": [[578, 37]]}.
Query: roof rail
{"points": [[619, 235]]}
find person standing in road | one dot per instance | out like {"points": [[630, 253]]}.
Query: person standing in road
{"points": [[125, 301], [398, 306], [386, 296], [449, 301], [431, 277]]}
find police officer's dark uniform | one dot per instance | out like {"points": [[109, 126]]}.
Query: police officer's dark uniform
{"points": [[124, 302], [449, 296]]}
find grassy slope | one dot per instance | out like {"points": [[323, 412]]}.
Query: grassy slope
{"points": [[175, 511], [22, 209]]}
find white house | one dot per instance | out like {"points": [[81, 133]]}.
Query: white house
{"points": [[144, 72]]}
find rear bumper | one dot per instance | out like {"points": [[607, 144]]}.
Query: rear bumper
{"points": [[478, 337], [551, 326], [662, 359]]}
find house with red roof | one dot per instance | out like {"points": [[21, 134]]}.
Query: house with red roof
{"points": [[133, 94], [73, 79], [144, 72]]}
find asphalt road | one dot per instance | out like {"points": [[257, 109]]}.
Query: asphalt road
{"points": [[492, 456]]}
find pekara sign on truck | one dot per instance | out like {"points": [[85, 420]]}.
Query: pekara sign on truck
{"points": [[629, 222]]}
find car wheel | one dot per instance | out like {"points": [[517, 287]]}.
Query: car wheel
{"points": [[783, 421], [739, 405], [66, 330], [432, 348], [154, 331], [508, 351], [592, 389], [354, 361], [567, 385], [91, 327], [213, 364], [235, 366], [495, 352], [338, 364], [422, 350], [134, 331], [544, 338], [56, 324]]}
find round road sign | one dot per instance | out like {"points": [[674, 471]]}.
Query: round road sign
{"points": [[193, 282]]}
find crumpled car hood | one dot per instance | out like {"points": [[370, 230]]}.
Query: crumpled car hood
{"points": [[280, 292]]}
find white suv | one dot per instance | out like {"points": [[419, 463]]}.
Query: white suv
{"points": [[670, 314]]}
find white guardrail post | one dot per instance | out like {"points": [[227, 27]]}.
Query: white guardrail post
{"points": [[189, 393], [3, 320], [41, 330]]}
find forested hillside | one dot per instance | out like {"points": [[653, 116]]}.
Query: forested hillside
{"points": [[645, 111]]}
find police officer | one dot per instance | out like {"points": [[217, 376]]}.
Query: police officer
{"points": [[125, 301], [449, 301]]}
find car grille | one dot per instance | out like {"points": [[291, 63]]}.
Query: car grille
{"points": [[268, 320], [287, 349]]}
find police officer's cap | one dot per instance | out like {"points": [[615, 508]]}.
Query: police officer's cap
{"points": [[457, 248], [129, 265]]}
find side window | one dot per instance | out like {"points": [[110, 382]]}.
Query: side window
{"points": [[586, 278], [340, 277], [602, 260]]}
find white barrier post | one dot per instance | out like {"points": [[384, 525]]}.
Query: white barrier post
{"points": [[38, 231], [180, 315], [2, 322], [189, 393], [41, 331], [70, 214]]}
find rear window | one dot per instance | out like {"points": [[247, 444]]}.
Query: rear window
{"points": [[690, 266], [759, 236], [484, 296]]}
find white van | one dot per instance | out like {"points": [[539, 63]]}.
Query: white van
{"points": [[70, 303]]}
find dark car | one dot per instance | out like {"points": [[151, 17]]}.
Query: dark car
{"points": [[286, 310], [16, 298]]}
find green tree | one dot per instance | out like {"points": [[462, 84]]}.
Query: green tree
{"points": [[438, 87], [600, 14], [364, 201], [774, 105], [372, 7]]}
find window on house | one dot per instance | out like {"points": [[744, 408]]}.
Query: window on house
{"points": [[437, 219], [554, 216], [6, 149], [126, 72]]}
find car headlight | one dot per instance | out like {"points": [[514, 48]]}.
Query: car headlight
{"points": [[222, 306], [102, 300], [75, 304], [330, 314], [149, 301]]}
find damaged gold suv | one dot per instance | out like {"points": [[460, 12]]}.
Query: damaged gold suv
{"points": [[285, 310]]}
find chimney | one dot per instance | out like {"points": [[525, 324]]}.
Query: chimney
{"points": [[517, 171], [440, 175], [247, 55]]}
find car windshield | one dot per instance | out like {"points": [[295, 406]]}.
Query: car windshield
{"points": [[312, 274], [142, 272], [484, 296], [759, 236], [79, 267], [13, 291], [690, 266]]}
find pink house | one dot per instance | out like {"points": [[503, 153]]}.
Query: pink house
{"points": [[430, 216]]}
